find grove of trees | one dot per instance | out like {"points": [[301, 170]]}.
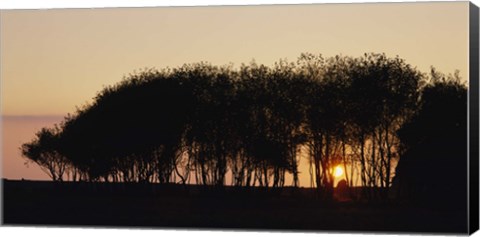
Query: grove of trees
{"points": [[199, 122]]}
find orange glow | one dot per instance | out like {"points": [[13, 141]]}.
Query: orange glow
{"points": [[338, 171]]}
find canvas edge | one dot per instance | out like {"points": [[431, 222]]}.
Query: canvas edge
{"points": [[473, 189]]}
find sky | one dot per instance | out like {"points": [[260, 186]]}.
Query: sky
{"points": [[55, 60], [52, 61], [15, 131]]}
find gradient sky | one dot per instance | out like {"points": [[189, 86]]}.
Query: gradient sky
{"points": [[55, 60]]}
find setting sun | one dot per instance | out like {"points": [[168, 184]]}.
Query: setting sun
{"points": [[338, 171]]}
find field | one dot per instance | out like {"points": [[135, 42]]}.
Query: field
{"points": [[29, 203]]}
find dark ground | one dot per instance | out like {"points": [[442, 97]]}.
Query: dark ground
{"points": [[28, 203]]}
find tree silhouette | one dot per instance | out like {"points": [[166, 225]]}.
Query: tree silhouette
{"points": [[208, 131], [433, 164], [384, 94], [44, 151], [132, 131], [326, 118], [199, 122]]}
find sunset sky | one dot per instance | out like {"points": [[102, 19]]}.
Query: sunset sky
{"points": [[54, 60]]}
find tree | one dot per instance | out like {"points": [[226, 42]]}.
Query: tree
{"points": [[132, 131], [433, 164], [44, 151], [384, 95], [326, 116]]}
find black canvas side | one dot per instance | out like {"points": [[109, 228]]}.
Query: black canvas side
{"points": [[473, 123]]}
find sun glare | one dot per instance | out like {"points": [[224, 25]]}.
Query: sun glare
{"points": [[338, 171]]}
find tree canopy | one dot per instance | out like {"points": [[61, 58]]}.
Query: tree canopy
{"points": [[199, 122]]}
